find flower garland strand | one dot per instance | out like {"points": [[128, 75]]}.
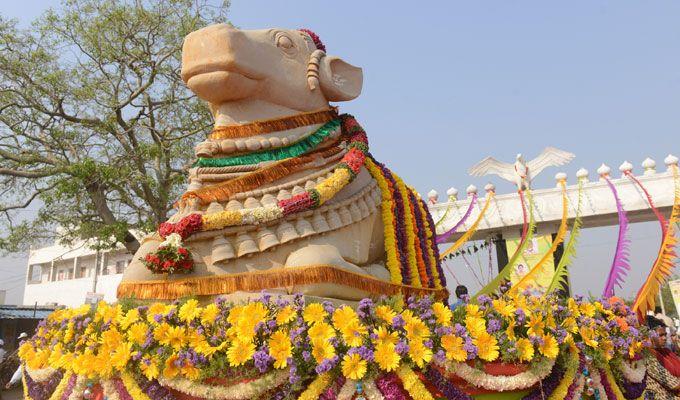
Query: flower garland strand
{"points": [[473, 228], [433, 248], [315, 388], [572, 368], [443, 237], [412, 384]]}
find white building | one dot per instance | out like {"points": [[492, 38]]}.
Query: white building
{"points": [[71, 276]]}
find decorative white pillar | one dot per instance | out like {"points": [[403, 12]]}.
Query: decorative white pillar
{"points": [[649, 166], [452, 193], [490, 188], [625, 167], [604, 171], [670, 161], [471, 190], [582, 175], [432, 197], [560, 177]]}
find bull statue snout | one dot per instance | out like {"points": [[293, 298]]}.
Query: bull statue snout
{"points": [[276, 67]]}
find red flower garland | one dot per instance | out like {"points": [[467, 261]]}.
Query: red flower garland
{"points": [[169, 260]]}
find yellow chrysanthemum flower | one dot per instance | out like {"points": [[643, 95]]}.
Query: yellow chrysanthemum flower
{"points": [[473, 310], [384, 336], [416, 329], [588, 336], [157, 309], [314, 313], [453, 346], [418, 353], [175, 336], [549, 346], [190, 372], [344, 316], [321, 331], [353, 366], [280, 348], [130, 318], [535, 324], [587, 309], [240, 352], [285, 315], [137, 333], [487, 347], [386, 313], [171, 368], [569, 324], [476, 326], [189, 311], [121, 356], [607, 347], [353, 333], [386, 357], [149, 367], [504, 308], [442, 313], [321, 350], [209, 315], [634, 349], [510, 330], [525, 349]]}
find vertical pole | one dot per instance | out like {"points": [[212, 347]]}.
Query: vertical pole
{"points": [[501, 252], [96, 271]]}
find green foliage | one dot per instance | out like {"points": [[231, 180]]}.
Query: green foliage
{"points": [[96, 125]]}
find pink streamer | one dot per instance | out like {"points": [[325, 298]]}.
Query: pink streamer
{"points": [[620, 264], [444, 236]]}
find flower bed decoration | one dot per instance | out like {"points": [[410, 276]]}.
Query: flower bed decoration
{"points": [[285, 348]]}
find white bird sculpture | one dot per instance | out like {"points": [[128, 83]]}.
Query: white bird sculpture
{"points": [[521, 172]]}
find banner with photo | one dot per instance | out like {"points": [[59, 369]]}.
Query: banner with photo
{"points": [[534, 251], [675, 292]]}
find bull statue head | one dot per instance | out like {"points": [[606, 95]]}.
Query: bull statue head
{"points": [[255, 74]]}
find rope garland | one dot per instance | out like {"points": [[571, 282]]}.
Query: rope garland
{"points": [[260, 127], [467, 235]]}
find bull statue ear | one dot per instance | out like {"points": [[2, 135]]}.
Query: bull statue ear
{"points": [[339, 80]]}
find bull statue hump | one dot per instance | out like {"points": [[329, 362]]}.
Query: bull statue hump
{"points": [[285, 196]]}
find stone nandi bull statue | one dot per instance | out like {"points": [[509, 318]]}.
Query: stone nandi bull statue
{"points": [[284, 195]]}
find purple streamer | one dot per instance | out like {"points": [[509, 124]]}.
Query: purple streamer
{"points": [[444, 236], [122, 391], [620, 264], [607, 385]]}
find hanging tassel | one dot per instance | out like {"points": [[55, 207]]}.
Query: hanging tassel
{"points": [[664, 264], [620, 264], [467, 235], [559, 280], [559, 237], [444, 236]]}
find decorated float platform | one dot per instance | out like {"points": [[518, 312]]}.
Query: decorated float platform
{"points": [[351, 297], [520, 347]]}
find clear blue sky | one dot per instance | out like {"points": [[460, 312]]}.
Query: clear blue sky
{"points": [[447, 83]]}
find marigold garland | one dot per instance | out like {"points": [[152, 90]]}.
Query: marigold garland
{"points": [[473, 228], [260, 127], [316, 387], [570, 375], [412, 384], [132, 387]]}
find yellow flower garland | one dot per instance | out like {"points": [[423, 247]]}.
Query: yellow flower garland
{"points": [[132, 387], [59, 391], [391, 251], [412, 384], [612, 383], [315, 388], [561, 390], [410, 233]]}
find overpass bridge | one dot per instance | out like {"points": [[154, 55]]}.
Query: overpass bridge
{"points": [[598, 208]]}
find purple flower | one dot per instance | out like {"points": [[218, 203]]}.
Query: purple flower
{"points": [[398, 322], [262, 360], [494, 326], [401, 347]]}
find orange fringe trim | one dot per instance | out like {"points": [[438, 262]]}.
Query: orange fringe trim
{"points": [[223, 191], [260, 280], [273, 125]]}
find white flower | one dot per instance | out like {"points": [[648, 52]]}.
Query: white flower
{"points": [[173, 240]]}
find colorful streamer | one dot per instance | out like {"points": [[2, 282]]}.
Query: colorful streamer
{"points": [[467, 235], [560, 278], [620, 264], [559, 237], [659, 216], [444, 236], [527, 235], [664, 264], [446, 214]]}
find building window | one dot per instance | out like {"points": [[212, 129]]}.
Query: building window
{"points": [[120, 266], [61, 275], [36, 273], [105, 270], [82, 271]]}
